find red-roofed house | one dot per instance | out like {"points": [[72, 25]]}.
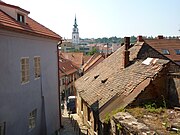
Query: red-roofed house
{"points": [[75, 57], [29, 96], [168, 47], [68, 74], [131, 76]]}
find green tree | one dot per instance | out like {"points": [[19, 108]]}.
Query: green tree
{"points": [[93, 51]]}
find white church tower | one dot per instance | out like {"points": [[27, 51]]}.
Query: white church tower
{"points": [[75, 34]]}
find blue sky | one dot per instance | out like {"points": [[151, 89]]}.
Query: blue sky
{"points": [[106, 18]]}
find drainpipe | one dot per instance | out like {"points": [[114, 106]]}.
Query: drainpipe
{"points": [[60, 122]]}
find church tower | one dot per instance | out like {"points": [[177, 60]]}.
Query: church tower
{"points": [[75, 33]]}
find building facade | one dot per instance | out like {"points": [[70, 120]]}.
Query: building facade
{"points": [[29, 81], [68, 75]]}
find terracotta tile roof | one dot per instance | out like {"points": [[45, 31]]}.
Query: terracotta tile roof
{"points": [[66, 67], [31, 26], [169, 44], [76, 58], [12, 6], [86, 58], [92, 62], [109, 80]]}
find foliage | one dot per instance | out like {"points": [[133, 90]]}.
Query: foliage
{"points": [[152, 107], [118, 110], [164, 102], [119, 127], [107, 118], [93, 51], [109, 115]]}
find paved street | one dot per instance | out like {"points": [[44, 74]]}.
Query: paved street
{"points": [[72, 127]]}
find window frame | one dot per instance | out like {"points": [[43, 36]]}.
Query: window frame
{"points": [[37, 67], [20, 18], [32, 119], [177, 51], [25, 71]]}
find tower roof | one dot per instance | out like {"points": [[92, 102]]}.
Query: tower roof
{"points": [[75, 23]]}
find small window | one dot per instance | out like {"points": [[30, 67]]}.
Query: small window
{"points": [[165, 52], [88, 111], [20, 18], [81, 104], [32, 119], [37, 67], [177, 51], [2, 128], [24, 70]]}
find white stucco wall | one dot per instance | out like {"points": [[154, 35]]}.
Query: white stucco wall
{"points": [[17, 100]]}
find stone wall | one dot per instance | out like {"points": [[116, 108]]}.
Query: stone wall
{"points": [[124, 123]]}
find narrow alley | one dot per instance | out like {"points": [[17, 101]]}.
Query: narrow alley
{"points": [[72, 124]]}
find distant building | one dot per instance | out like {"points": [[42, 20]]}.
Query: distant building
{"points": [[29, 103], [69, 47], [75, 33]]}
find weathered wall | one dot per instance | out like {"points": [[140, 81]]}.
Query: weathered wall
{"points": [[174, 90], [18, 100], [156, 91]]}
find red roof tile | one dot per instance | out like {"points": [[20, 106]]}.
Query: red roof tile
{"points": [[31, 26], [76, 58], [66, 67], [12, 6], [92, 62]]}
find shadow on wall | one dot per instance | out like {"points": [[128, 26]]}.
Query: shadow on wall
{"points": [[174, 91]]}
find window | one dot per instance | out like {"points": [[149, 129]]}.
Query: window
{"points": [[81, 104], [177, 51], [88, 111], [37, 69], [24, 70], [2, 128], [63, 81], [165, 52], [20, 18], [32, 119]]}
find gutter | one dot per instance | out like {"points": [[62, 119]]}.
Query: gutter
{"points": [[60, 122]]}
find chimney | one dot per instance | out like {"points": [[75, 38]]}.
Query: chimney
{"points": [[139, 38], [160, 37], [126, 53]]}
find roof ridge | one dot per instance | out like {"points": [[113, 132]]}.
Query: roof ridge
{"points": [[31, 27], [13, 6], [43, 26]]}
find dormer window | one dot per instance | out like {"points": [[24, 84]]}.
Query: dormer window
{"points": [[177, 51], [165, 52], [20, 18]]}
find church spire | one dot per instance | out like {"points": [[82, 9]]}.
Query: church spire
{"points": [[75, 33], [75, 23]]}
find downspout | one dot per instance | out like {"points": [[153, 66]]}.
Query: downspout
{"points": [[60, 122]]}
